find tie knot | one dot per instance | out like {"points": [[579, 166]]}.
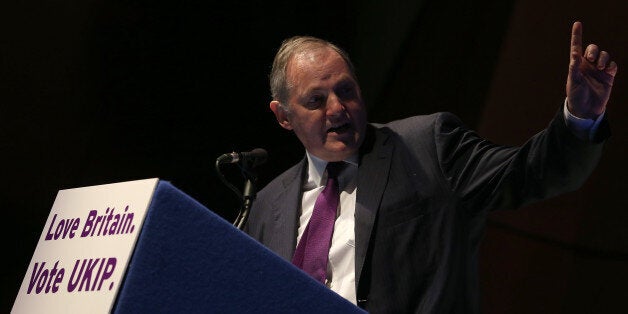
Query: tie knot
{"points": [[333, 168]]}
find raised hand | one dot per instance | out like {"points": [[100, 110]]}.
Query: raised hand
{"points": [[590, 77]]}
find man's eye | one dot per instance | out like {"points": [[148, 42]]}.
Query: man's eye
{"points": [[346, 92], [315, 101]]}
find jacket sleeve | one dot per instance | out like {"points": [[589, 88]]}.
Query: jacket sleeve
{"points": [[487, 176]]}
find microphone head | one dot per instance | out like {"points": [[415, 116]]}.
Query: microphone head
{"points": [[257, 156], [259, 153]]}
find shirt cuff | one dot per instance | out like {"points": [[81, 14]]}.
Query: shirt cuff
{"points": [[583, 128]]}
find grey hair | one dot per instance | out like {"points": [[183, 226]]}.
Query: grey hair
{"points": [[279, 87]]}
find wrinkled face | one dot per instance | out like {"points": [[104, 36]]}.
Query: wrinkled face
{"points": [[326, 111]]}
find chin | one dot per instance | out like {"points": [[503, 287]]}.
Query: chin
{"points": [[344, 152]]}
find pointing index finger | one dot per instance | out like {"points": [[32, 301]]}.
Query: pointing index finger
{"points": [[576, 39]]}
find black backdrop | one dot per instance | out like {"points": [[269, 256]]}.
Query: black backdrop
{"points": [[96, 92]]}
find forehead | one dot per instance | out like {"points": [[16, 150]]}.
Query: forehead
{"points": [[315, 64]]}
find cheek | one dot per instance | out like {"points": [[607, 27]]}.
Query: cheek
{"points": [[313, 130], [357, 112], [303, 125]]}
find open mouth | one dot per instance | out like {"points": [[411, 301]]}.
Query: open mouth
{"points": [[340, 129]]}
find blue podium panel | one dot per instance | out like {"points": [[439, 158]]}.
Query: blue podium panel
{"points": [[190, 260]]}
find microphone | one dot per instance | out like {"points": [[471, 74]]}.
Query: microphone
{"points": [[252, 159]]}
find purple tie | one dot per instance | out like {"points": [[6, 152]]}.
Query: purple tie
{"points": [[312, 252]]}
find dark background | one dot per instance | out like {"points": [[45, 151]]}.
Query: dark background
{"points": [[95, 92]]}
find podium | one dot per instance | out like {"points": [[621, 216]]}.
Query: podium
{"points": [[189, 260]]}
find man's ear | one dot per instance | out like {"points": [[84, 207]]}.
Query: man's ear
{"points": [[280, 114]]}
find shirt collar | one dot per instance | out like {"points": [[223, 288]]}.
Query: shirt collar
{"points": [[316, 168]]}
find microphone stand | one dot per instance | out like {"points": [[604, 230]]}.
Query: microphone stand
{"points": [[249, 194]]}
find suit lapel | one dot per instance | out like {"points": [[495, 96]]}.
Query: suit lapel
{"points": [[372, 179], [284, 229]]}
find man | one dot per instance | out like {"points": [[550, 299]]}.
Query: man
{"points": [[414, 193]]}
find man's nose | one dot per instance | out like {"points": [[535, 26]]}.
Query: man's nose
{"points": [[335, 107]]}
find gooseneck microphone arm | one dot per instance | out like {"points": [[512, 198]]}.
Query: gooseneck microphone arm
{"points": [[246, 161], [247, 201]]}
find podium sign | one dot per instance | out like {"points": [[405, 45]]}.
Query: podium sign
{"points": [[84, 249]]}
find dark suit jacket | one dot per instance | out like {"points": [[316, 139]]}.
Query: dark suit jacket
{"points": [[425, 185]]}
